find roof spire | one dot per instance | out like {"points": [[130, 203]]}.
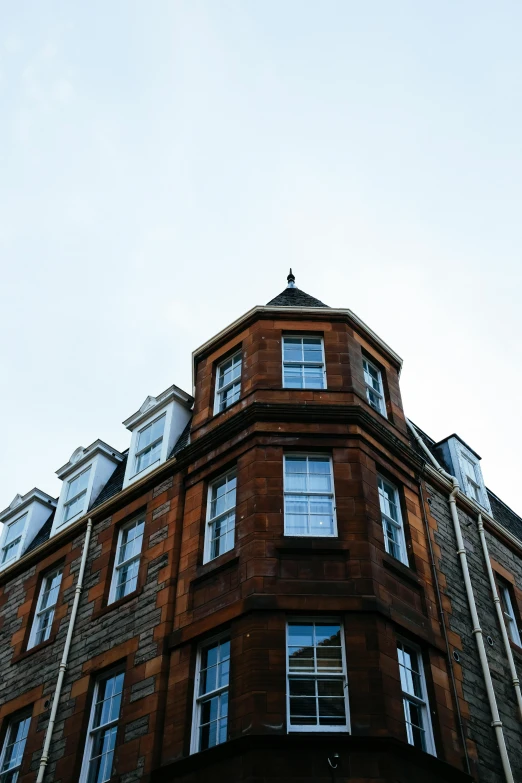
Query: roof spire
{"points": [[291, 280]]}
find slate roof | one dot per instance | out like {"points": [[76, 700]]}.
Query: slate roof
{"points": [[294, 297], [182, 441], [114, 484], [111, 488], [42, 535], [505, 515]]}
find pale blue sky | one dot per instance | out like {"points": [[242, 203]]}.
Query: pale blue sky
{"points": [[164, 163]]}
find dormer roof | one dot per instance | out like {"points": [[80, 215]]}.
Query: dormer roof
{"points": [[82, 455], [20, 502], [152, 404]]}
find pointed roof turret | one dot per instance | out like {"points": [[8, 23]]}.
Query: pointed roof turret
{"points": [[294, 297]]}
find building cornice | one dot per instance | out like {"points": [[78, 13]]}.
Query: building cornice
{"points": [[238, 424], [311, 313]]}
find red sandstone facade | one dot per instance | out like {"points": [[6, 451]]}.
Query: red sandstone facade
{"points": [[251, 591]]}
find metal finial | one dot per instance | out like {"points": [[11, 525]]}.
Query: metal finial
{"points": [[291, 280]]}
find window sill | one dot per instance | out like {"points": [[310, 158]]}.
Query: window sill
{"points": [[400, 569], [312, 544], [26, 653], [116, 604], [219, 563], [215, 414]]}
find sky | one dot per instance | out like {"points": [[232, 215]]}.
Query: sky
{"points": [[164, 163]]}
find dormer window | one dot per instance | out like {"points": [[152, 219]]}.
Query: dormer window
{"points": [[76, 495], [374, 387], [155, 428], [228, 383], [149, 443], [471, 485], [83, 476], [13, 539], [464, 463], [22, 521]]}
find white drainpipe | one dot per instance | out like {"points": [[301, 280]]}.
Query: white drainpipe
{"points": [[477, 630], [63, 665], [500, 615]]}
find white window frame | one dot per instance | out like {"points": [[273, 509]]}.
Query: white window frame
{"points": [[118, 566], [508, 611], [24, 716], [317, 675], [200, 699], [84, 493], [238, 380], [472, 484], [92, 730], [137, 454], [396, 524], [322, 363], [421, 702], [49, 609], [308, 493], [370, 388], [13, 546], [211, 521]]}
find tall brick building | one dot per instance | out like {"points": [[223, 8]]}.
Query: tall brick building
{"points": [[279, 580]]}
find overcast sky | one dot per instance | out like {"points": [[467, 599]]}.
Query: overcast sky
{"points": [[164, 163]]}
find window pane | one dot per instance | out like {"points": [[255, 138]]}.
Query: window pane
{"points": [[292, 349], [131, 541], [312, 349], [303, 711], [15, 529], [229, 371], [14, 747], [213, 711], [222, 535], [313, 377], [230, 396], [149, 456], [328, 635], [127, 579], [10, 550], [222, 516], [223, 496], [108, 700], [375, 401], [151, 433], [215, 667], [75, 507], [316, 700], [414, 725], [50, 589], [100, 767], [78, 484], [293, 377]]}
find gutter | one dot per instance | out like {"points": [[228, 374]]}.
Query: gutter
{"points": [[65, 656], [93, 513], [496, 723]]}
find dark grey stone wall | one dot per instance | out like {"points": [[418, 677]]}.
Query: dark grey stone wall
{"points": [[479, 725], [132, 622]]}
